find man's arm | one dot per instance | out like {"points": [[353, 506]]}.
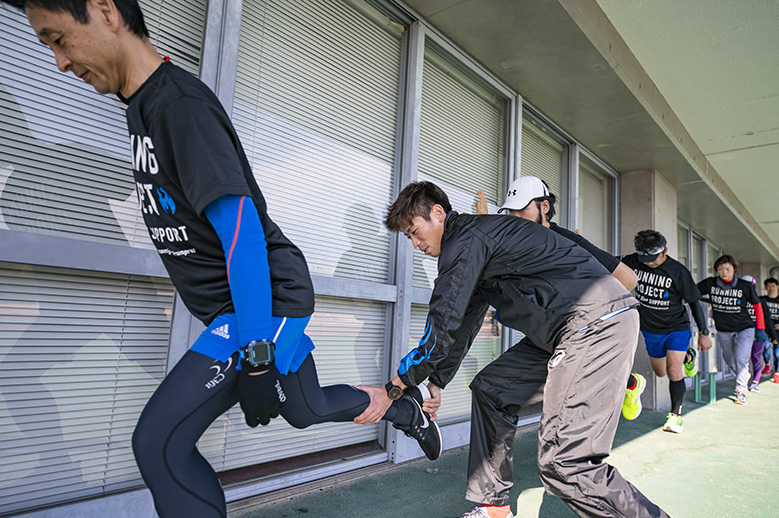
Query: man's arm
{"points": [[460, 267], [704, 341], [626, 276], [240, 231]]}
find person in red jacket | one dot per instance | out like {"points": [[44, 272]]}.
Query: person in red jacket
{"points": [[764, 331]]}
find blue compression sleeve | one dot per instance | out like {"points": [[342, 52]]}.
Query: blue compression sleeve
{"points": [[239, 229]]}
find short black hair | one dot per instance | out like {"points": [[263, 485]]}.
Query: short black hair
{"points": [[769, 281], [128, 9], [649, 239], [726, 259], [416, 199]]}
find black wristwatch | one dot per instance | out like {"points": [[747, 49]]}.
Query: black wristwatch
{"points": [[393, 391], [259, 353], [705, 332]]}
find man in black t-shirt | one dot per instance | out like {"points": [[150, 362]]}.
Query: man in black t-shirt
{"points": [[232, 266], [664, 284], [772, 303]]}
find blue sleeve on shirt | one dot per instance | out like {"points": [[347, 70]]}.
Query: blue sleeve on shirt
{"points": [[240, 231]]}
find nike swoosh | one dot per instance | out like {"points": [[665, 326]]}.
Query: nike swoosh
{"points": [[427, 423]]}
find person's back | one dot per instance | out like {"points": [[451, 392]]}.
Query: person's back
{"points": [[539, 282], [184, 145]]}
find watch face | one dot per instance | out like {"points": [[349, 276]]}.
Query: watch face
{"points": [[260, 353], [393, 392]]}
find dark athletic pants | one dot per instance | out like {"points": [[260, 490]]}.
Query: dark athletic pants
{"points": [[182, 482], [582, 386]]}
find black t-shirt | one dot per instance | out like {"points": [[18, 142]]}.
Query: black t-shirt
{"points": [[773, 307], [185, 155], [606, 259], [730, 305], [661, 292]]}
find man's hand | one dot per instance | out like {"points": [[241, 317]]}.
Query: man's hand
{"points": [[704, 343], [260, 393], [378, 406], [481, 205], [432, 404]]}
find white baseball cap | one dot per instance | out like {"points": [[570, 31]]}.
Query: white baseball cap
{"points": [[749, 278], [522, 191]]}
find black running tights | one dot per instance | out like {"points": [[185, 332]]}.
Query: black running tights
{"points": [[197, 391]]}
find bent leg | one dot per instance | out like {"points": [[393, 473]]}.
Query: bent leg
{"points": [[582, 400], [504, 387], [309, 403], [198, 390]]}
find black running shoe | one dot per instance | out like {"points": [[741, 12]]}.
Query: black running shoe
{"points": [[422, 429]]}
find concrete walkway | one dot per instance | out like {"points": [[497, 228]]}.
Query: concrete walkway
{"points": [[725, 464]]}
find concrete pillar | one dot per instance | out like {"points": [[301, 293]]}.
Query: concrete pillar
{"points": [[648, 201]]}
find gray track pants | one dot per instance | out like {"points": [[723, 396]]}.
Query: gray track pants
{"points": [[582, 386], [736, 348]]}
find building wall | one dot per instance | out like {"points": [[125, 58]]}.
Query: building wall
{"points": [[343, 118]]}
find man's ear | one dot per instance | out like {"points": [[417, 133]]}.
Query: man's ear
{"points": [[545, 207], [438, 212], [109, 14]]}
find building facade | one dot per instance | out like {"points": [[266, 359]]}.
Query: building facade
{"points": [[339, 104]]}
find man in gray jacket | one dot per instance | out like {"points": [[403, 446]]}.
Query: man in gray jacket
{"points": [[555, 293]]}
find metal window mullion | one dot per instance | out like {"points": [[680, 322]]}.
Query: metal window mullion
{"points": [[571, 183], [409, 124], [515, 139], [36, 249], [219, 51], [513, 167], [615, 202]]}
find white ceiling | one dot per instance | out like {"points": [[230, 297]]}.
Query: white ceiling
{"points": [[717, 65]]}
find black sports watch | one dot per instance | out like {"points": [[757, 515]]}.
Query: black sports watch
{"points": [[393, 391], [259, 353], [705, 332]]}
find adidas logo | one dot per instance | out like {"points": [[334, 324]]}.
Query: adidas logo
{"points": [[222, 331]]}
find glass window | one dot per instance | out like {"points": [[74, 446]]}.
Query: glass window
{"points": [[316, 102], [64, 149], [80, 355], [682, 252], [460, 144], [456, 399], [542, 156], [697, 251], [595, 205]]}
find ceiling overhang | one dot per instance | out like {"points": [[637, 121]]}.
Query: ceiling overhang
{"points": [[567, 60]]}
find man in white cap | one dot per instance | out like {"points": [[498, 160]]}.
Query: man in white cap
{"points": [[528, 197]]}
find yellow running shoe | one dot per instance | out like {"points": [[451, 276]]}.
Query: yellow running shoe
{"points": [[631, 406], [673, 423], [691, 367]]}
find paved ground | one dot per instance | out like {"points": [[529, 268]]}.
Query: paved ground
{"points": [[725, 464]]}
